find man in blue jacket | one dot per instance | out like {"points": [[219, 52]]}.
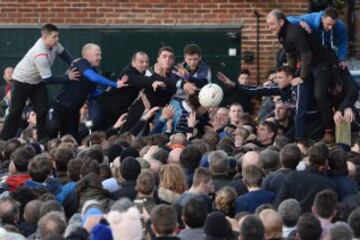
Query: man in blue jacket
{"points": [[64, 116], [330, 30]]}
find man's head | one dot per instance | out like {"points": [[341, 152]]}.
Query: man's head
{"points": [[244, 77], [354, 222], [194, 212], [218, 162], [290, 211], [164, 219], [266, 132], [50, 35], [290, 156], [32, 211], [284, 75], [235, 112], [275, 20], [52, 222], [325, 204], [252, 228], [339, 230], [92, 53], [282, 113], [222, 114], [202, 181], [318, 155], [9, 210], [8, 71], [252, 176], [140, 61], [19, 160], [40, 168], [272, 222], [192, 56], [308, 228], [329, 18], [165, 58], [250, 158]]}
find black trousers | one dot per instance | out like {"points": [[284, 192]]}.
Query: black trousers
{"points": [[322, 74], [134, 114], [20, 92], [62, 121]]}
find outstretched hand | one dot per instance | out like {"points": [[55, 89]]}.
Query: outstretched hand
{"points": [[122, 82], [74, 74]]}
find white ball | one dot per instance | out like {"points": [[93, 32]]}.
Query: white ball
{"points": [[211, 95]]}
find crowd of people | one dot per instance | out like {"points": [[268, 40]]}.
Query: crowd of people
{"points": [[141, 158]]}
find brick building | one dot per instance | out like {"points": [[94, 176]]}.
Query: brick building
{"points": [[165, 12]]}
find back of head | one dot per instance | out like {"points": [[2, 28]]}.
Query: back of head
{"points": [[9, 210], [354, 222], [251, 158], [272, 222], [164, 219], [50, 206], [32, 211], [74, 168], [340, 231], [62, 156], [290, 156], [190, 157], [21, 158], [178, 138], [252, 228], [290, 211], [10, 146], [216, 225], [52, 222], [270, 160], [325, 204], [337, 161], [89, 166], [225, 199], [130, 168], [252, 176], [218, 162], [194, 212], [318, 154], [309, 227], [40, 168], [145, 182]]}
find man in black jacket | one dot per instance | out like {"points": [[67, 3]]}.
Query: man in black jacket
{"points": [[316, 63], [304, 185], [126, 96]]}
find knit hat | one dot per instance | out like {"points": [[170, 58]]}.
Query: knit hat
{"points": [[114, 151], [90, 208], [126, 225], [130, 168], [217, 227], [101, 232]]}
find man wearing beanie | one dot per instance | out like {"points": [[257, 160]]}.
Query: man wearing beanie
{"points": [[129, 169]]}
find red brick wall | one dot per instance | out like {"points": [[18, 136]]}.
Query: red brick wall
{"points": [[185, 12]]}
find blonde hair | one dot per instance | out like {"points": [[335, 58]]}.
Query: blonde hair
{"points": [[172, 177], [225, 199], [87, 47]]}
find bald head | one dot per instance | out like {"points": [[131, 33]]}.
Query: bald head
{"points": [[174, 156], [251, 158], [178, 138], [272, 222], [92, 53]]}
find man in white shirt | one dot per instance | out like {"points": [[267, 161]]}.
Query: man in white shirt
{"points": [[29, 81]]}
